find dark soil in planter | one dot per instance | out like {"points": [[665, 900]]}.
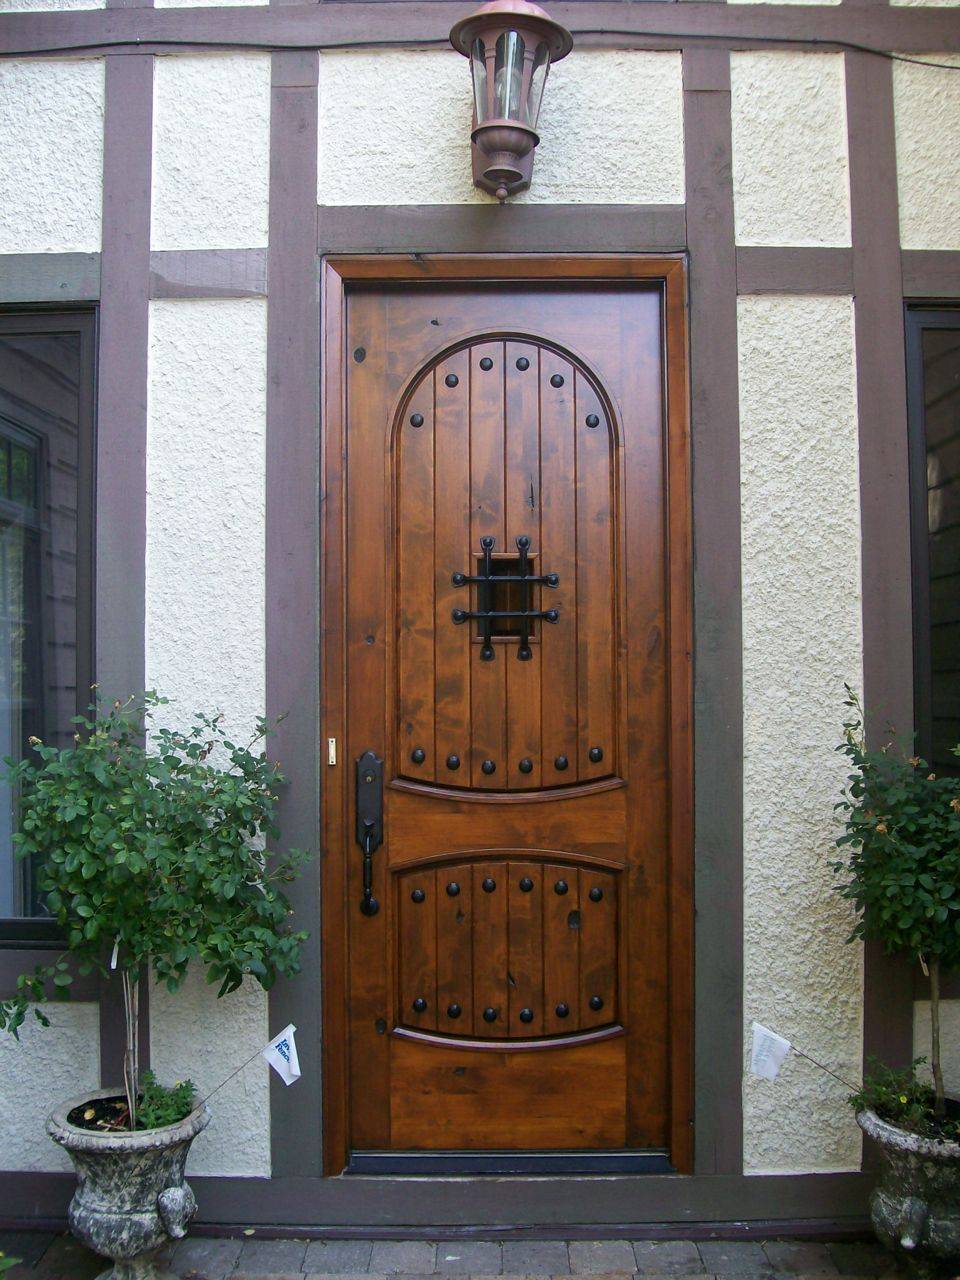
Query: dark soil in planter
{"points": [[102, 1115]]}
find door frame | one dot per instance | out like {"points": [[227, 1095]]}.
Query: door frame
{"points": [[338, 274]]}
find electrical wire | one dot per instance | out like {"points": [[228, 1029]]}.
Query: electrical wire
{"points": [[139, 45]]}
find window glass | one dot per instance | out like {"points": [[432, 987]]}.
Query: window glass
{"points": [[938, 639], [43, 401]]}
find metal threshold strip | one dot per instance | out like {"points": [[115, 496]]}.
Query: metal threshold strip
{"points": [[542, 1164]]}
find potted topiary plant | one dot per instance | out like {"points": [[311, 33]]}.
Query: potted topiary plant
{"points": [[148, 848], [900, 868]]}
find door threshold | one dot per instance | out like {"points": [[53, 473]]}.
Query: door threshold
{"points": [[543, 1164]]}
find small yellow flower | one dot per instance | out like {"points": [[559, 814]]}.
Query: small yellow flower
{"points": [[882, 828], [34, 742], [903, 1098], [914, 760]]}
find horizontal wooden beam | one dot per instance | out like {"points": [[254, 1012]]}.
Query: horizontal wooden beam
{"points": [[643, 24], [495, 1208], [794, 270], [931, 273], [512, 228], [49, 277], [208, 273]]}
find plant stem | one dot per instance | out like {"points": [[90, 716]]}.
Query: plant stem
{"points": [[131, 1056], [939, 1106]]}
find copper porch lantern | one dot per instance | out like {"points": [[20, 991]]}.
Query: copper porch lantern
{"points": [[510, 44]]}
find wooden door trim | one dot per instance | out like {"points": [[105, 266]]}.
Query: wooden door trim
{"points": [[337, 275]]}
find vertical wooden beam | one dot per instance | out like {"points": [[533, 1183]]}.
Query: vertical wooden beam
{"points": [[119, 571], [718, 710], [884, 479], [292, 570]]}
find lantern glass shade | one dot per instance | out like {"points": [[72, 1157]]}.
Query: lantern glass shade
{"points": [[519, 74]]}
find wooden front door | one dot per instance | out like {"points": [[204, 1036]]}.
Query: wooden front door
{"points": [[506, 652]]}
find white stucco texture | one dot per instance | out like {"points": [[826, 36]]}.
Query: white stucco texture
{"points": [[790, 172], [801, 641], [51, 155], [205, 4], [47, 1066], [927, 107], [39, 6], [211, 151], [195, 1036], [395, 129], [949, 1039], [205, 641]]}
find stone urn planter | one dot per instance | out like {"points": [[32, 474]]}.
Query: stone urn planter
{"points": [[915, 1209], [132, 1197]]}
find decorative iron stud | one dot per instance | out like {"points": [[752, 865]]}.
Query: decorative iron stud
{"points": [[418, 895], [419, 1005], [489, 1015], [453, 762], [526, 884], [526, 765], [523, 364], [561, 763], [451, 380], [562, 1010], [489, 766], [486, 364], [557, 380], [418, 755], [596, 894], [592, 420], [488, 885], [526, 1015], [596, 1003], [454, 1011], [453, 889], [561, 887], [596, 755], [416, 420]]}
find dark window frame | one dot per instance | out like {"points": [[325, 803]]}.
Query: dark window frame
{"points": [[918, 317], [37, 932]]}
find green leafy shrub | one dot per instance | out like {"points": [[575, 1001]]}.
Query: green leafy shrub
{"points": [[900, 1097], [161, 1105], [900, 862], [149, 851]]}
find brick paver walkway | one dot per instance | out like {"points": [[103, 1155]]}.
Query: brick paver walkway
{"points": [[49, 1257]]}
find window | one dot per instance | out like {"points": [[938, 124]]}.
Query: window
{"points": [[46, 464], [933, 354]]}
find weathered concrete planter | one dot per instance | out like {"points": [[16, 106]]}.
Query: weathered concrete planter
{"points": [[131, 1196], [916, 1207]]}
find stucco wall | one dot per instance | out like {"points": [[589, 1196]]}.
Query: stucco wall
{"points": [[51, 155], [205, 641], [47, 1066], [927, 104], [801, 641], [791, 182], [949, 1039], [395, 128], [211, 151]]}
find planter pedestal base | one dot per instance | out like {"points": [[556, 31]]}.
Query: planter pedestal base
{"points": [[146, 1267], [132, 1198]]}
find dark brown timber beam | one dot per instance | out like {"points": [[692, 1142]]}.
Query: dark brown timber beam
{"points": [[645, 24]]}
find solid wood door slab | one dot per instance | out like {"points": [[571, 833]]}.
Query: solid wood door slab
{"points": [[541, 1015], [448, 1099]]}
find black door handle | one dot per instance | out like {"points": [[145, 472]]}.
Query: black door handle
{"points": [[369, 822]]}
